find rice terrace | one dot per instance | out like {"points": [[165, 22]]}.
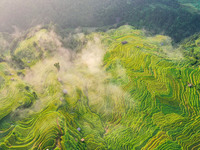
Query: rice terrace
{"points": [[99, 75]]}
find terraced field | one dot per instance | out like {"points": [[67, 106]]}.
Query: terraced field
{"points": [[122, 90]]}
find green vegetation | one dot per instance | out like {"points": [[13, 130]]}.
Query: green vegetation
{"points": [[140, 95], [191, 5], [175, 18], [191, 47], [57, 65]]}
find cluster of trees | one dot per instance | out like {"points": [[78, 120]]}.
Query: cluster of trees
{"points": [[193, 3], [191, 49], [158, 16]]}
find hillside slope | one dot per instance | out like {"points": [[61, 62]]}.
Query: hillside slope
{"points": [[175, 18], [118, 90]]}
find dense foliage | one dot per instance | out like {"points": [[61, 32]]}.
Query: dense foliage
{"points": [[171, 17]]}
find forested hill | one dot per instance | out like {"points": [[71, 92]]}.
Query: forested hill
{"points": [[170, 17]]}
